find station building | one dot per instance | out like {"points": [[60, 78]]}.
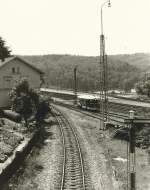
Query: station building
{"points": [[13, 69]]}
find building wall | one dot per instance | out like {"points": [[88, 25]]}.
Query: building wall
{"points": [[4, 98], [12, 72]]}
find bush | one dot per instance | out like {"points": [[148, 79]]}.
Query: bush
{"points": [[42, 110], [28, 102]]}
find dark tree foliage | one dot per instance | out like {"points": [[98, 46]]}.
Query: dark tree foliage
{"points": [[21, 100], [28, 102], [42, 110], [59, 72], [4, 50], [143, 88]]}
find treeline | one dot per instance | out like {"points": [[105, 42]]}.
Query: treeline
{"points": [[59, 72]]}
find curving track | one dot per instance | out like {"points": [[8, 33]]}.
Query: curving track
{"points": [[116, 117], [73, 176]]}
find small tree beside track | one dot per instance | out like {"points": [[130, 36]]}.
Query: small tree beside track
{"points": [[28, 103]]}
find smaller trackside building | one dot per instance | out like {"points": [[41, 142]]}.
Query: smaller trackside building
{"points": [[13, 69]]}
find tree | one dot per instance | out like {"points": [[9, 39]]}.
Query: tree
{"points": [[42, 109], [20, 99], [28, 102], [143, 88], [4, 50]]}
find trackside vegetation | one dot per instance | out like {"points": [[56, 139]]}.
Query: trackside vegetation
{"points": [[143, 88], [28, 103], [58, 69]]}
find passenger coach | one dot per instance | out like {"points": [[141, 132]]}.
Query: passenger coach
{"points": [[88, 102]]}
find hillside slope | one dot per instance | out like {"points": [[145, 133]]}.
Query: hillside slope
{"points": [[140, 60], [124, 70]]}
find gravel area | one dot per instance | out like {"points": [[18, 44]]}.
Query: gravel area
{"points": [[41, 169]]}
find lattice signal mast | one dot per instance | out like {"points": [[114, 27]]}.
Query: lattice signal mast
{"points": [[103, 74], [75, 85]]}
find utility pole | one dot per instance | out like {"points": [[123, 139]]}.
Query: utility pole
{"points": [[131, 158], [131, 155], [103, 75], [75, 85]]}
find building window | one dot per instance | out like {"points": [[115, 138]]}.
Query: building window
{"points": [[13, 70]]}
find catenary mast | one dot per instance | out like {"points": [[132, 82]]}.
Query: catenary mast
{"points": [[103, 75]]}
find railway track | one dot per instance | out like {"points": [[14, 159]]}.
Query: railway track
{"points": [[114, 117], [73, 176]]}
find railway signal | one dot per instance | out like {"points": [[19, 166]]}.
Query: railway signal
{"points": [[75, 85], [131, 156]]}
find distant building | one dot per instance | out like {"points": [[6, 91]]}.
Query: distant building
{"points": [[13, 69]]}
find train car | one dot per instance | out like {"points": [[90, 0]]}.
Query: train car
{"points": [[91, 101], [88, 102]]}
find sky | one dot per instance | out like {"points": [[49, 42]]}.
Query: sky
{"points": [[38, 27]]}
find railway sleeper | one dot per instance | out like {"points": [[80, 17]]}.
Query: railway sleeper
{"points": [[74, 174], [73, 184], [73, 165]]}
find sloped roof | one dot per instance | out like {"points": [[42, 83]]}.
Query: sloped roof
{"points": [[88, 97], [9, 59]]}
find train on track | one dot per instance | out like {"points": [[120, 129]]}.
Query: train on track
{"points": [[88, 102], [91, 101]]}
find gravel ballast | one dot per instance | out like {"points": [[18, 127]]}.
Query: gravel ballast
{"points": [[95, 155]]}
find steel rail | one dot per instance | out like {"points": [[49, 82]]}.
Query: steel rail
{"points": [[64, 149], [93, 115], [61, 120], [80, 153]]}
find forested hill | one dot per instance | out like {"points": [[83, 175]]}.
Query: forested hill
{"points": [[140, 60], [123, 73]]}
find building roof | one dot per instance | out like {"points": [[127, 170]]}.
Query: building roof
{"points": [[9, 59], [88, 97]]}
